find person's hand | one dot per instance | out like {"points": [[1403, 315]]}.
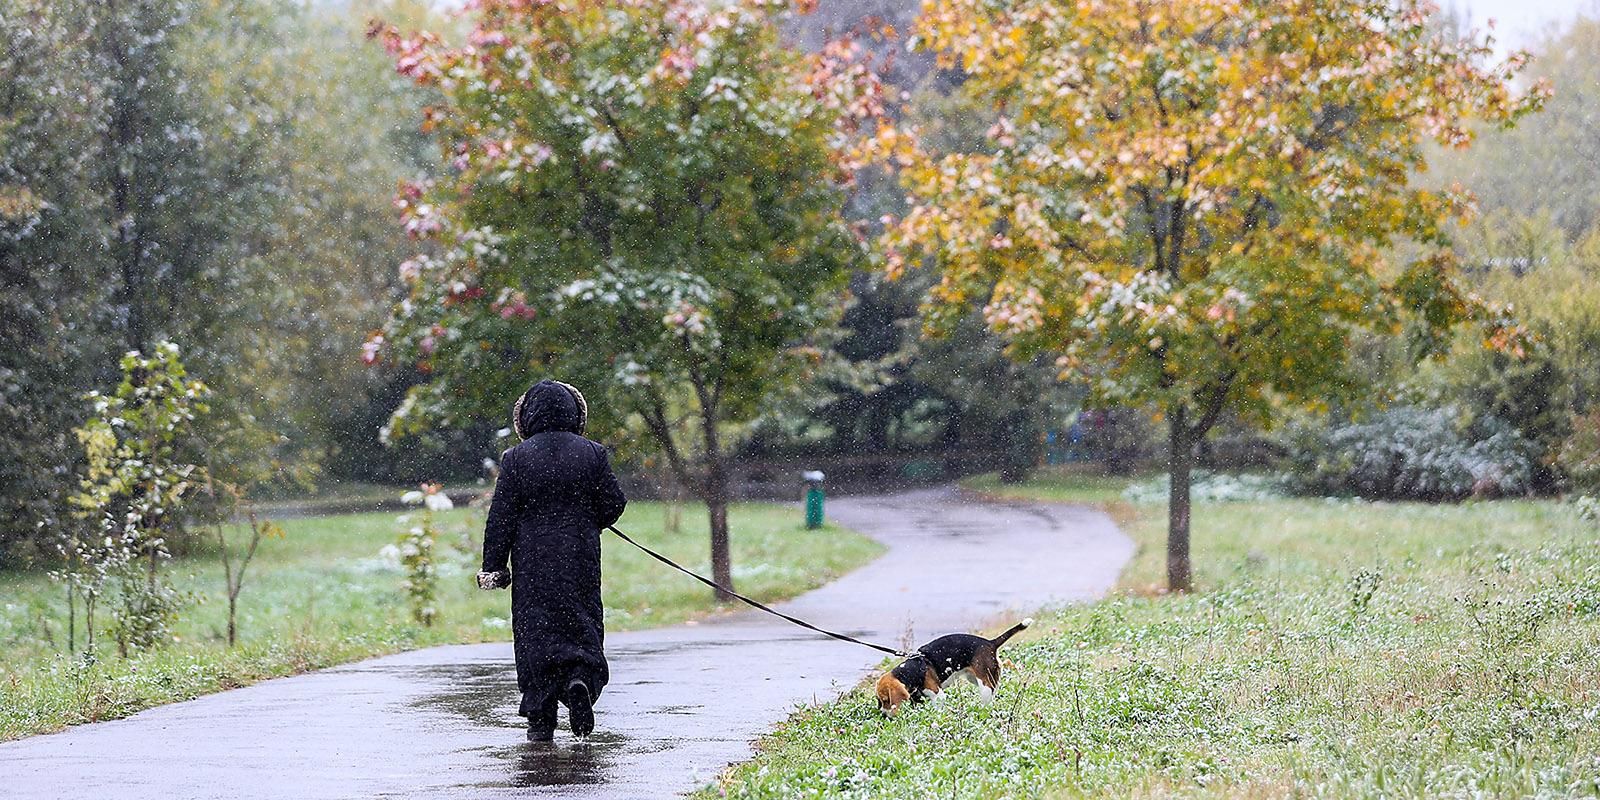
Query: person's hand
{"points": [[489, 581]]}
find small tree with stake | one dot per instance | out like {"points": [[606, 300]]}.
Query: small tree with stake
{"points": [[231, 497], [645, 201], [1198, 204], [135, 482]]}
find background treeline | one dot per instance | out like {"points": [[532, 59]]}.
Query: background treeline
{"points": [[217, 173], [220, 173]]}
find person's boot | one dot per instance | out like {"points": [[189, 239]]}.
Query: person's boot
{"points": [[580, 708], [542, 726]]}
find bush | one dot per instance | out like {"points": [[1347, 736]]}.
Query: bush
{"points": [[1412, 453], [1579, 456], [1209, 487]]}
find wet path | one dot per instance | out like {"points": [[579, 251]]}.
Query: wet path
{"points": [[684, 701]]}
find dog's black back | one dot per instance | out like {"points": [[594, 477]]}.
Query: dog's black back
{"points": [[955, 652]]}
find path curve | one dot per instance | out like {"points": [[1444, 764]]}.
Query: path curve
{"points": [[684, 701]]}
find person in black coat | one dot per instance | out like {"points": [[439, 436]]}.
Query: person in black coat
{"points": [[555, 493]]}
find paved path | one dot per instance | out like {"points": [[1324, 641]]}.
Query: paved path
{"points": [[684, 701]]}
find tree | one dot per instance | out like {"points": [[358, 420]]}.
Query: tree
{"points": [[645, 200], [132, 493], [51, 285], [1199, 204], [216, 172], [1529, 168], [232, 498]]}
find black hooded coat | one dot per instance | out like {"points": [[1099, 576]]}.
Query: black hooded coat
{"points": [[555, 493]]}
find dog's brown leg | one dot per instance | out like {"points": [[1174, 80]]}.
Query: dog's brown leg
{"points": [[986, 668], [930, 681]]}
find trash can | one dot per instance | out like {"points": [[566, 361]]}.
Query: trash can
{"points": [[813, 479]]}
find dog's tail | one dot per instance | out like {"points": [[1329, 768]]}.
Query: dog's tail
{"points": [[1015, 629]]}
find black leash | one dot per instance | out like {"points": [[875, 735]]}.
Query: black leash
{"points": [[756, 603]]}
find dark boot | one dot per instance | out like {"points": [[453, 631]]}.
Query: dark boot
{"points": [[542, 724], [580, 708]]}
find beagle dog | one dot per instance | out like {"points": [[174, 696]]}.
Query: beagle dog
{"points": [[947, 658]]}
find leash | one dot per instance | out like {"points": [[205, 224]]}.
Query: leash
{"points": [[756, 603]]}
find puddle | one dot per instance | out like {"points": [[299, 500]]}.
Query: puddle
{"points": [[486, 694], [686, 710], [571, 762], [565, 762]]}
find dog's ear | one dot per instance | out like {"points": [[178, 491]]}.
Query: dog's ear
{"points": [[891, 693]]}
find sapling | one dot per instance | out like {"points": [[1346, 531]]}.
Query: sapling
{"points": [[234, 497], [131, 494], [416, 551]]}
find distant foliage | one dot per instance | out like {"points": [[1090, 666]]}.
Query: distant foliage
{"points": [[1579, 456], [1588, 507], [1531, 166], [1412, 453], [1210, 487]]}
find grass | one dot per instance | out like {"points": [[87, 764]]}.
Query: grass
{"points": [[1333, 648], [1062, 484], [321, 596]]}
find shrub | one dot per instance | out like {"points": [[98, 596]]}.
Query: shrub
{"points": [[1579, 456], [416, 547], [1209, 487], [1412, 453]]}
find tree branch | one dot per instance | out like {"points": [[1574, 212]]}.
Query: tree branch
{"points": [[1215, 402], [1157, 241], [655, 418]]}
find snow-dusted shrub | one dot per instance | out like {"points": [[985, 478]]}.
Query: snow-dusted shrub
{"points": [[1588, 507], [1412, 453], [1209, 487], [416, 545]]}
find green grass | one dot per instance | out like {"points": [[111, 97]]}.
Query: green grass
{"points": [[321, 596], [1061, 484], [1333, 648]]}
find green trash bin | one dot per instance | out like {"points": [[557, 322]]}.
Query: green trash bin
{"points": [[814, 497]]}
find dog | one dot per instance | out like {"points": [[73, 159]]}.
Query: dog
{"points": [[958, 655]]}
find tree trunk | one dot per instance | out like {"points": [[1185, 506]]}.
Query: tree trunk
{"points": [[717, 505], [1180, 462], [88, 623], [72, 620], [232, 603]]}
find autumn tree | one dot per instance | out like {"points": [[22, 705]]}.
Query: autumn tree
{"points": [[1199, 204], [644, 199]]}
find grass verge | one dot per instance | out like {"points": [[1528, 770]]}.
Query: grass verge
{"points": [[1333, 648], [322, 596]]}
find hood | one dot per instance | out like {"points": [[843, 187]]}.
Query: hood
{"points": [[549, 406]]}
